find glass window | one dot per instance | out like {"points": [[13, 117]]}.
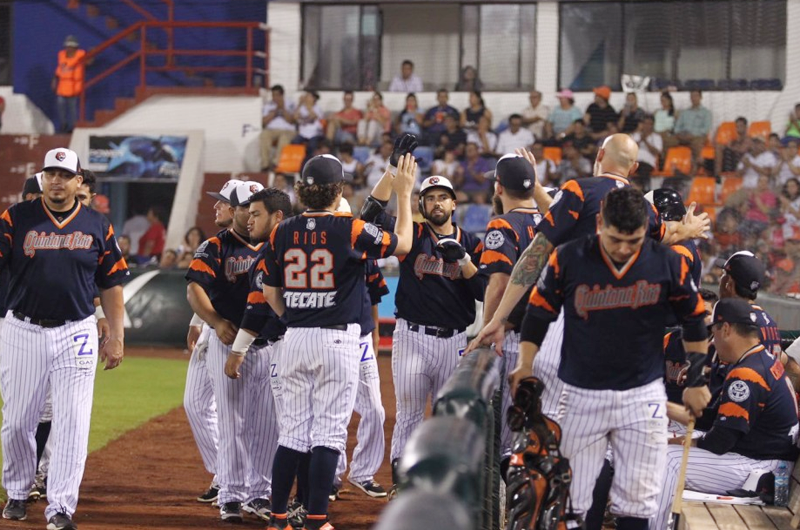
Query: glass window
{"points": [[5, 44], [758, 40], [590, 45]]}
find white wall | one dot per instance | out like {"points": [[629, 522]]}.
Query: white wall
{"points": [[22, 116], [283, 19]]}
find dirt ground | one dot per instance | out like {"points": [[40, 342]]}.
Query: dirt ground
{"points": [[149, 477]]}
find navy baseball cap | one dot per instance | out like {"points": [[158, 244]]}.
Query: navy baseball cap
{"points": [[734, 311], [32, 185], [323, 169], [746, 270], [514, 173]]}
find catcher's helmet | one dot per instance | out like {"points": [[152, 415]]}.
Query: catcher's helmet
{"points": [[668, 202]]}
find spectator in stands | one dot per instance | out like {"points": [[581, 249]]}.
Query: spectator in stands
{"points": [[124, 243], [762, 205], [135, 227], [476, 215], [546, 169], [343, 125], [535, 115], [790, 208], [693, 126], [755, 163], [469, 81], [377, 163], [191, 240], [515, 137], [559, 123], [350, 165], [600, 114], [573, 165], [278, 127], [580, 140], [308, 117], [788, 165], [793, 127], [151, 244], [452, 139], [476, 110], [787, 271], [68, 83], [285, 183], [410, 120], [2, 110], [651, 147], [483, 136], [377, 120], [447, 166], [470, 173], [433, 124], [665, 116], [169, 259], [726, 231], [631, 115], [728, 155], [407, 81]]}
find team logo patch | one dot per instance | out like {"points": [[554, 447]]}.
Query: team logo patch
{"points": [[620, 184], [253, 188], [526, 183], [309, 180], [260, 280], [373, 230], [753, 317], [754, 285], [60, 156], [738, 391], [494, 240], [433, 180], [201, 250], [311, 224]]}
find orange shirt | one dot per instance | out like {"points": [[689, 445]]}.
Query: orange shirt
{"points": [[70, 74]]}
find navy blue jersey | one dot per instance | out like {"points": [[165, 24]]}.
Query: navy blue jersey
{"points": [[614, 319], [431, 291], [258, 315], [318, 258], [573, 212], [688, 250], [507, 236], [675, 362], [220, 266], [5, 277], [758, 400], [375, 289], [55, 264], [770, 334]]}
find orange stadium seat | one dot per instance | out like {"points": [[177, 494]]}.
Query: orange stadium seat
{"points": [[703, 191], [677, 159], [553, 153], [760, 129], [725, 133], [291, 160], [730, 185]]}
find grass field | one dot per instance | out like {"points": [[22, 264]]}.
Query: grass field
{"points": [[127, 397]]}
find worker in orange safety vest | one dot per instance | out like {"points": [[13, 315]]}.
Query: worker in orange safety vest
{"points": [[68, 82]]}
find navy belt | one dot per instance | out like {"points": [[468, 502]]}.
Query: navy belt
{"points": [[441, 333], [337, 327], [43, 322]]}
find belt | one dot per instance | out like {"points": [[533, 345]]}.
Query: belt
{"points": [[337, 327], [260, 341], [43, 322], [441, 333]]}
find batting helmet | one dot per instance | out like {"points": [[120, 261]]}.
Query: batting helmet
{"points": [[668, 202], [434, 181]]}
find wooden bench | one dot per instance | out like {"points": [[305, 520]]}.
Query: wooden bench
{"points": [[708, 516]]}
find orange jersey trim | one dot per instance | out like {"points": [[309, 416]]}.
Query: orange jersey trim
{"points": [[355, 230], [615, 177], [493, 256], [499, 223], [748, 374], [246, 243], [666, 339], [7, 218], [256, 298], [619, 274], [575, 188], [683, 251], [67, 220], [538, 300], [121, 265], [732, 410], [110, 232], [197, 265]]}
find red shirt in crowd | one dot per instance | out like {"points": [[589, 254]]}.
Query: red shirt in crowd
{"points": [[156, 235]]}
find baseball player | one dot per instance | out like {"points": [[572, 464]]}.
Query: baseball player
{"points": [[436, 294], [753, 424], [315, 279], [670, 207], [217, 291], [622, 284], [56, 251], [506, 237], [198, 396]]}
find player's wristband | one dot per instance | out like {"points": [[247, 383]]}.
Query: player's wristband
{"points": [[242, 343], [99, 313], [466, 260], [694, 375], [196, 320]]}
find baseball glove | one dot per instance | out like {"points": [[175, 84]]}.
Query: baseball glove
{"points": [[404, 144], [451, 250]]}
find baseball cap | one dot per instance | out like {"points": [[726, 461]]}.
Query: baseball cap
{"points": [[224, 194], [322, 169], [100, 204], [240, 196], [61, 158], [565, 93], [734, 311], [745, 269], [514, 173], [436, 181], [70, 41], [603, 91], [32, 185]]}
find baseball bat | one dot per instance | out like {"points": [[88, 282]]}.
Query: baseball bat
{"points": [[677, 501]]}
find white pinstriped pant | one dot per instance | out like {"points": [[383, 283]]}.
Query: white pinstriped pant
{"points": [[200, 404], [706, 473], [420, 366], [634, 422], [319, 380], [546, 363], [510, 356], [31, 359], [247, 423], [368, 454]]}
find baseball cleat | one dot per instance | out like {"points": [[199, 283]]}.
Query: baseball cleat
{"points": [[371, 488], [34, 494], [297, 514], [261, 508], [15, 510], [61, 521], [231, 512], [210, 495]]}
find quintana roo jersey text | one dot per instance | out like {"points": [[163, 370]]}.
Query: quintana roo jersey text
{"points": [[56, 260], [220, 266], [318, 258]]}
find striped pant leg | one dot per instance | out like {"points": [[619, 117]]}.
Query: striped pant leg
{"points": [[230, 394], [369, 451], [200, 404], [75, 350], [25, 359], [510, 356], [261, 425], [443, 357], [586, 418], [638, 444], [294, 384], [546, 365], [412, 383]]}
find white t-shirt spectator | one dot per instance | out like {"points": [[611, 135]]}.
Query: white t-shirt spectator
{"points": [[279, 122], [412, 84], [444, 169], [310, 129], [784, 173], [750, 175], [491, 138], [542, 167], [644, 153], [543, 112], [376, 166], [134, 228], [509, 141]]}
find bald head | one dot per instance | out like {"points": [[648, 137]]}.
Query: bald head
{"points": [[617, 155]]}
